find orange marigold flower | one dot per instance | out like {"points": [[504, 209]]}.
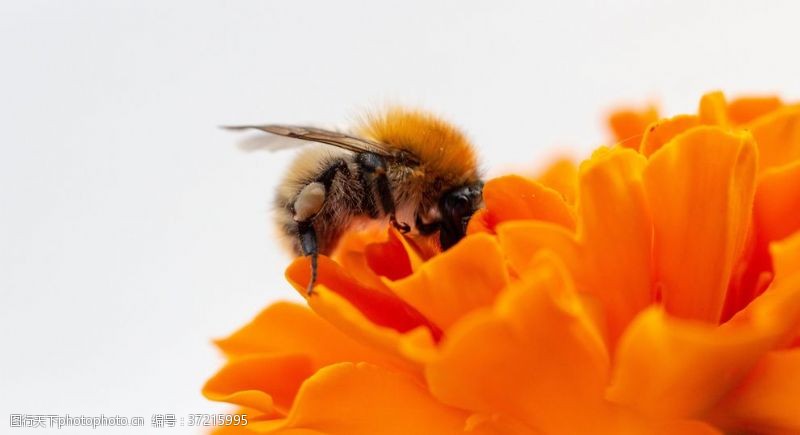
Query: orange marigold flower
{"points": [[654, 290]]}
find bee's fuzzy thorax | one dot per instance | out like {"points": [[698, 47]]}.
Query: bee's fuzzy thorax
{"points": [[439, 146]]}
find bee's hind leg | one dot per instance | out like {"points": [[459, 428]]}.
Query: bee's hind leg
{"points": [[306, 206], [308, 243]]}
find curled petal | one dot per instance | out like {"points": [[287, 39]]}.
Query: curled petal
{"points": [[679, 368], [775, 216], [746, 109], [513, 197], [391, 258], [480, 223], [355, 399], [766, 401], [561, 176], [668, 367], [381, 307], [267, 383], [700, 188], [522, 240], [780, 303], [615, 235], [400, 250], [786, 257], [547, 362], [777, 202], [629, 125], [662, 131], [350, 254], [713, 109], [778, 136], [466, 277], [289, 328], [385, 340], [373, 253]]}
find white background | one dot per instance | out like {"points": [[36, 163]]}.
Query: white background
{"points": [[132, 231]]}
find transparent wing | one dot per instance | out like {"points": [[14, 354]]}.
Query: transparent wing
{"points": [[308, 134]]}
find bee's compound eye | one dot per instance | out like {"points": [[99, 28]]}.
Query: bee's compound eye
{"points": [[456, 206], [459, 204]]}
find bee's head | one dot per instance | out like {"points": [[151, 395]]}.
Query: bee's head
{"points": [[456, 207]]}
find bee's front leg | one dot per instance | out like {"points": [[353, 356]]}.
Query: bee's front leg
{"points": [[375, 166]]}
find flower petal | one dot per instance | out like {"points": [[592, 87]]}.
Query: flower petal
{"points": [[522, 240], [713, 109], [290, 328], [497, 424], [777, 202], [629, 125], [669, 367], [778, 136], [786, 257], [254, 426], [389, 258], [780, 303], [547, 363], [664, 130], [353, 399], [561, 176], [376, 252], [685, 427], [379, 306], [516, 198], [267, 383], [766, 402], [479, 223], [344, 316], [270, 429], [466, 277], [350, 254], [775, 216], [615, 235], [700, 187], [680, 368], [403, 248], [746, 109]]}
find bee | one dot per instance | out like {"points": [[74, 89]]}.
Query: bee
{"points": [[407, 167]]}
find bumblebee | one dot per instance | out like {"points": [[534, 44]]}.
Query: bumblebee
{"points": [[407, 167]]}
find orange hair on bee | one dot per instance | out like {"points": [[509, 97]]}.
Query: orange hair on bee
{"points": [[438, 145]]}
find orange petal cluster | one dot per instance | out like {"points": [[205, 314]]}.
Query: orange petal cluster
{"points": [[653, 289]]}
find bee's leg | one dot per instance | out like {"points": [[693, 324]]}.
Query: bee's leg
{"points": [[375, 166], [308, 243], [306, 206]]}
